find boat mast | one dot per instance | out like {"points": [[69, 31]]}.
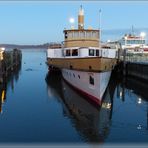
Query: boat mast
{"points": [[100, 28]]}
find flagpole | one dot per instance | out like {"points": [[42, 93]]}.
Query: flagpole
{"points": [[100, 28]]}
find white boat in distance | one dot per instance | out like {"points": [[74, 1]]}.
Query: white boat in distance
{"points": [[83, 63], [134, 44]]}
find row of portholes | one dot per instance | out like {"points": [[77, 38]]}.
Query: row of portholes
{"points": [[91, 79], [70, 74]]}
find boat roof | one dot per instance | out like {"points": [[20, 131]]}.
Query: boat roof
{"points": [[80, 30], [131, 36]]}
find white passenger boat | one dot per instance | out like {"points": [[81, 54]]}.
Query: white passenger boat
{"points": [[134, 44], [83, 63]]}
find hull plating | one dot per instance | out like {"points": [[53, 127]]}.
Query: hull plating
{"points": [[90, 84]]}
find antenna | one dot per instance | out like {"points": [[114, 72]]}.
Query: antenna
{"points": [[132, 30]]}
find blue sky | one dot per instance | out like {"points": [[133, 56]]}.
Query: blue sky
{"points": [[39, 22]]}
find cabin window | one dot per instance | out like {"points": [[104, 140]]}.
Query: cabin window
{"points": [[91, 52], [67, 52], [75, 52], [94, 34], [71, 67], [91, 80], [90, 67], [97, 52], [88, 35], [76, 35], [143, 41], [66, 35], [81, 34], [69, 34]]}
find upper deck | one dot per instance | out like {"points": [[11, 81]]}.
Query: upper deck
{"points": [[81, 37]]}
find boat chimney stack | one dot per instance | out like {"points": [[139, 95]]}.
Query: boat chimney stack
{"points": [[81, 19]]}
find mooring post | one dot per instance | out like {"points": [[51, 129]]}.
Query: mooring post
{"points": [[147, 116], [1, 72], [119, 50], [124, 62]]}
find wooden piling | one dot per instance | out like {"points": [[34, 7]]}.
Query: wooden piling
{"points": [[8, 61]]}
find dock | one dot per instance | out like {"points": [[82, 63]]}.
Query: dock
{"points": [[137, 69], [135, 66], [9, 61]]}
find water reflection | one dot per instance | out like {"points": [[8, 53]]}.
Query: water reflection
{"points": [[132, 87], [134, 102], [124, 109], [61, 116], [8, 81], [92, 123], [140, 88]]}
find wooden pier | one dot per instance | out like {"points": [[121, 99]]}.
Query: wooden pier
{"points": [[134, 66], [9, 60], [137, 69]]}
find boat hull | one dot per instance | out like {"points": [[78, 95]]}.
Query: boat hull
{"points": [[95, 64], [90, 84]]}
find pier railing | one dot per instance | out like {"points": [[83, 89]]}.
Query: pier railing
{"points": [[135, 65], [137, 58], [133, 57]]}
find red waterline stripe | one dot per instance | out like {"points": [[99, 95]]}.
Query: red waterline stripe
{"points": [[96, 100], [146, 49]]}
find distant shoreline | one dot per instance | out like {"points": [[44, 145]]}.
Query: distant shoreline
{"points": [[42, 46], [23, 46]]}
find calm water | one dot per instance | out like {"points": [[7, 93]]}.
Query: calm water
{"points": [[41, 107]]}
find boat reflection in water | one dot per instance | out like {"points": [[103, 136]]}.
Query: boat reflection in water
{"points": [[8, 81], [91, 122]]}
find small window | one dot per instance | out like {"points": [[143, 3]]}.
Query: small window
{"points": [[91, 80], [91, 52], [67, 52], [71, 67], [97, 52], [75, 52], [79, 76]]}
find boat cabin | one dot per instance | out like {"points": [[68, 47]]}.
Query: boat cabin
{"points": [[81, 38], [80, 52]]}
